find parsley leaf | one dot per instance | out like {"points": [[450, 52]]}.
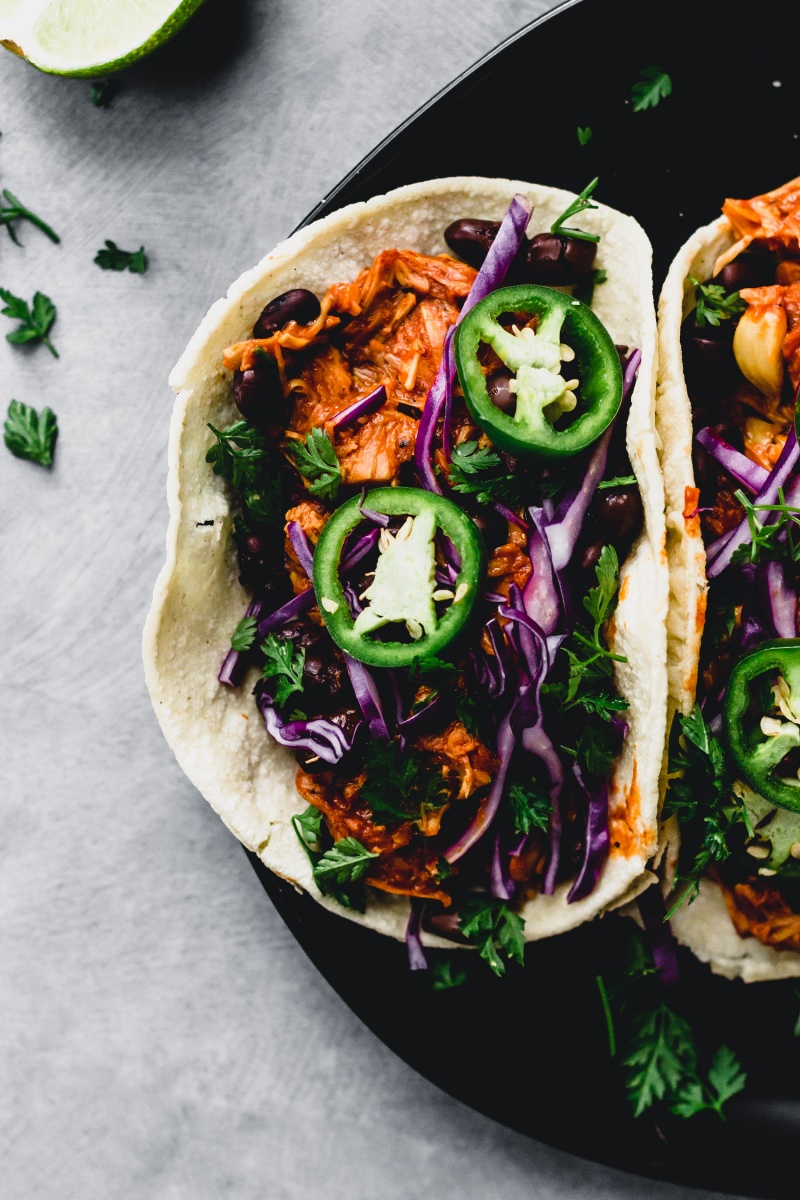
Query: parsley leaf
{"points": [[725, 1079], [400, 786], [477, 471], [36, 319], [431, 667], [244, 634], [241, 457], [345, 862], [714, 304], [285, 662], [29, 434], [15, 210], [590, 661], [584, 290], [444, 976], [114, 259], [652, 86], [598, 746], [495, 929], [531, 807], [308, 827], [584, 135], [699, 791], [661, 1055], [771, 539], [477, 714], [618, 481], [310, 831], [578, 205], [317, 462]]}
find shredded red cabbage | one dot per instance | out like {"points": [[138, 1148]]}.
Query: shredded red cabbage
{"points": [[542, 595], [410, 725], [565, 529], [360, 549], [360, 408], [501, 885], [368, 697], [596, 840], [416, 952], [491, 275], [749, 474], [321, 737], [659, 936], [287, 612], [301, 547], [781, 600], [487, 811], [368, 514]]}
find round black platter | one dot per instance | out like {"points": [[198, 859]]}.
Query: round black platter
{"points": [[531, 1050]]}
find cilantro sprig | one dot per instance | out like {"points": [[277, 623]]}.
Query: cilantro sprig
{"points": [[400, 785], [497, 932], [715, 304], [36, 319], [589, 658], [530, 807], [312, 835], [444, 975], [652, 86], [317, 462], [578, 205], [617, 481], [345, 862], [241, 457], [585, 134], [284, 663], [15, 210], [112, 258], [29, 434], [699, 792], [244, 634], [477, 471], [770, 540]]}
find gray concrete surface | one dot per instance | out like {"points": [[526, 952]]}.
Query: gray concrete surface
{"points": [[163, 1037]]}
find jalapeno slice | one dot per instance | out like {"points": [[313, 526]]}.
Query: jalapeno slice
{"points": [[767, 679], [557, 415], [404, 591]]}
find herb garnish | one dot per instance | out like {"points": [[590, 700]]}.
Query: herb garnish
{"points": [[659, 1048], [36, 320], [584, 135], [400, 786], [578, 205], [16, 211], [590, 661], [29, 434], [477, 471], [444, 975], [113, 259], [530, 806], [285, 662], [310, 831], [494, 929], [699, 788], [317, 462], [618, 481], [241, 457], [776, 540], [345, 862], [244, 634], [714, 304], [101, 92], [652, 86]]}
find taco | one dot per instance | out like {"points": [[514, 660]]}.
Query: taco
{"points": [[729, 364], [442, 710]]}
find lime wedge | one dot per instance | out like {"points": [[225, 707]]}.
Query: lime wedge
{"points": [[89, 37]]}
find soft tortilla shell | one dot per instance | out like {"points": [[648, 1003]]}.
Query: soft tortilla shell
{"points": [[216, 734], [704, 926]]}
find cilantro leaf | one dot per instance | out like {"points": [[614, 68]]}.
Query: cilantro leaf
{"points": [[602, 704], [241, 457], [618, 481], [715, 304], [308, 827], [345, 862], [317, 462], [36, 319], [285, 662], [477, 471], [244, 634], [578, 205], [598, 746], [531, 807], [584, 135], [652, 86], [661, 1055], [476, 713], [590, 661], [431, 667], [113, 259], [311, 831], [495, 929], [775, 538], [15, 210], [399, 785], [444, 976], [29, 434], [101, 92]]}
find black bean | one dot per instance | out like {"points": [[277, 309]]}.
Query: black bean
{"points": [[261, 569], [556, 259], [497, 385], [257, 393], [591, 556], [617, 511], [470, 239], [747, 270], [297, 305]]}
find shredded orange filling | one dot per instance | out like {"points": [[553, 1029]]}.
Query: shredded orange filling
{"points": [[772, 219], [759, 910]]}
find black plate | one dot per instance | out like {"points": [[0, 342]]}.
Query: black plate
{"points": [[530, 1050]]}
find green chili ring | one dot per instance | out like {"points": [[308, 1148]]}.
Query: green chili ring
{"points": [[596, 364], [398, 502], [755, 755]]}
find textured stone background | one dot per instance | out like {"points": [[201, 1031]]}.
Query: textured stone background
{"points": [[163, 1037]]}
